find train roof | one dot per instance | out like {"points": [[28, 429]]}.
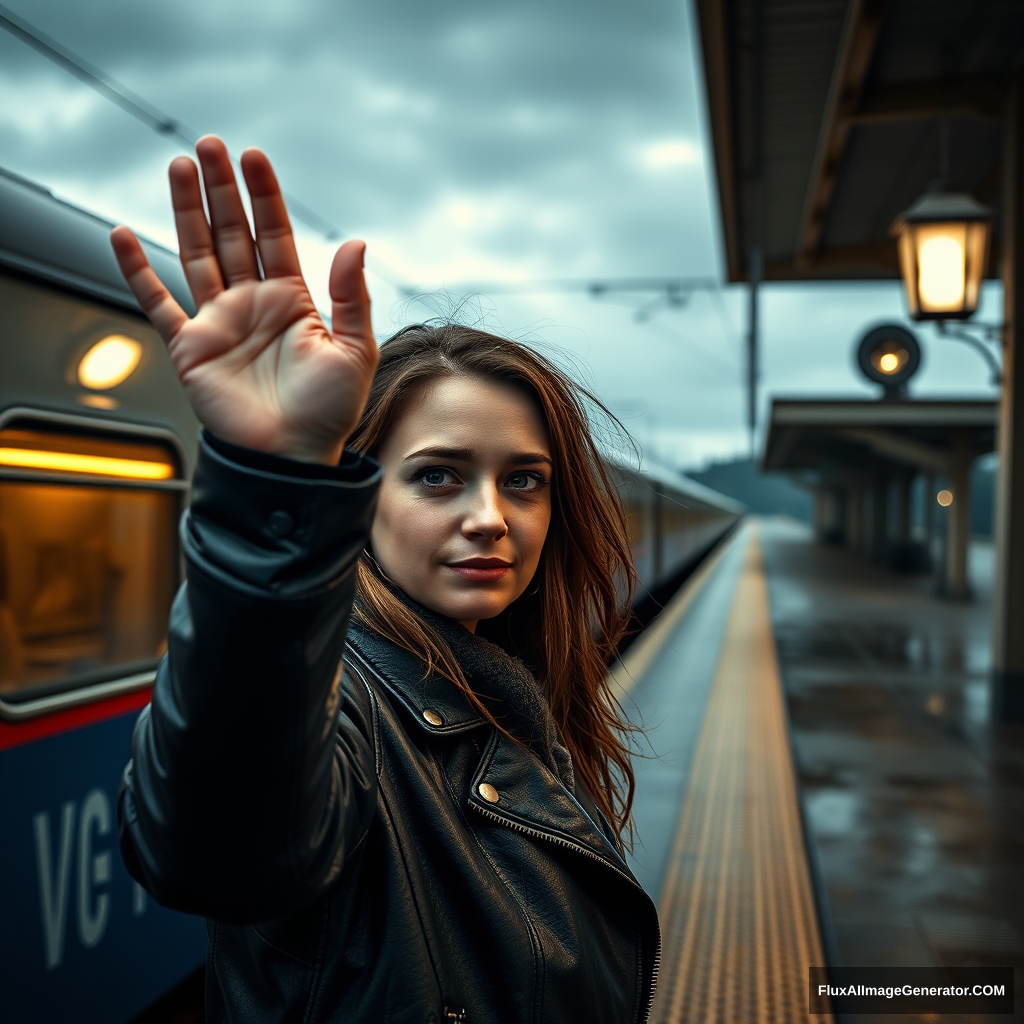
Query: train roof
{"points": [[45, 237], [674, 484]]}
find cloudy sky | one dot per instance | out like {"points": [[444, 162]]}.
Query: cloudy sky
{"points": [[465, 141]]}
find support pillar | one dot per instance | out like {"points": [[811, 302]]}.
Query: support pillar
{"points": [[854, 518], [928, 513], [1008, 633], [902, 531], [820, 512], [879, 519], [958, 516]]}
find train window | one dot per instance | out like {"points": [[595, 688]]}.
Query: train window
{"points": [[88, 557]]}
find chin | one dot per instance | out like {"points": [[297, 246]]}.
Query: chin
{"points": [[464, 607]]}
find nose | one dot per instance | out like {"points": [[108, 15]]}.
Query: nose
{"points": [[484, 518]]}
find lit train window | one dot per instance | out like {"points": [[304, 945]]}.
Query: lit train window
{"points": [[88, 557]]}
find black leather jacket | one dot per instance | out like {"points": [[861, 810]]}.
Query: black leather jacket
{"points": [[328, 820]]}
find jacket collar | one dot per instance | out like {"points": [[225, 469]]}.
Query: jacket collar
{"points": [[536, 801], [530, 797], [436, 703]]}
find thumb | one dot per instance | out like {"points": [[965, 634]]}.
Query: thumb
{"points": [[350, 301]]}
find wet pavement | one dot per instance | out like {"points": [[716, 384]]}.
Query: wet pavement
{"points": [[913, 796]]}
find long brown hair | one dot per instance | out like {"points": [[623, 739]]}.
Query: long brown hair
{"points": [[568, 625]]}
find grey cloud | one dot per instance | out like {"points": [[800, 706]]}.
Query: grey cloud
{"points": [[377, 113]]}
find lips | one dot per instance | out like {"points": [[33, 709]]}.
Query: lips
{"points": [[481, 569]]}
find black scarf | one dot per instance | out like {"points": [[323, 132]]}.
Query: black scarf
{"points": [[505, 686]]}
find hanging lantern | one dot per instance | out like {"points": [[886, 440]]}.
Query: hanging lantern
{"points": [[943, 244]]}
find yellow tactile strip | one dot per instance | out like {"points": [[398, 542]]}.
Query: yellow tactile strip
{"points": [[737, 913]]}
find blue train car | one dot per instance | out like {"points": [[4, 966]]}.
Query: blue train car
{"points": [[96, 447]]}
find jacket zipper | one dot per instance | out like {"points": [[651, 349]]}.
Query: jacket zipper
{"points": [[593, 856]]}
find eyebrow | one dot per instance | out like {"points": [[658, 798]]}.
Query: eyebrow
{"points": [[466, 455]]}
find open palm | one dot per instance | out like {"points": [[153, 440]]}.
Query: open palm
{"points": [[256, 361]]}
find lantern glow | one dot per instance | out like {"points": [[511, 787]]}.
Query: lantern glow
{"points": [[943, 248]]}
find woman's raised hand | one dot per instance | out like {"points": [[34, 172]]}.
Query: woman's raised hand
{"points": [[257, 363]]}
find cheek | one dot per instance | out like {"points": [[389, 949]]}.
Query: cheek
{"points": [[533, 533], [405, 528]]}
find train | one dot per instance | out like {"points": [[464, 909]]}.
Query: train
{"points": [[97, 446]]}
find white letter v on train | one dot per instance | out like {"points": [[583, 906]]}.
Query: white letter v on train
{"points": [[54, 880]]}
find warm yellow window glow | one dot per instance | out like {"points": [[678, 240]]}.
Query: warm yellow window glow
{"points": [[109, 362], [944, 498], [941, 267], [96, 465]]}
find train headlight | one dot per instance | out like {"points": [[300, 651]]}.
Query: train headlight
{"points": [[110, 361]]}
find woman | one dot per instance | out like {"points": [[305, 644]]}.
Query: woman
{"points": [[409, 810]]}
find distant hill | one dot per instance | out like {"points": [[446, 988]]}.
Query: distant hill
{"points": [[765, 493]]}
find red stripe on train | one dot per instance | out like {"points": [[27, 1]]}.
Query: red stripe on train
{"points": [[15, 734]]}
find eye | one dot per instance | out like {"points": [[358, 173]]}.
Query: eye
{"points": [[436, 476], [527, 481]]}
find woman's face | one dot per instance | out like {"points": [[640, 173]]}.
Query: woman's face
{"points": [[465, 502]]}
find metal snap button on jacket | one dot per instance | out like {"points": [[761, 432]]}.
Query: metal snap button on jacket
{"points": [[488, 792], [280, 524], [433, 717]]}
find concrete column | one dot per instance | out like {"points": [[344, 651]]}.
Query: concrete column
{"points": [[928, 512], [1008, 634], [901, 534], [819, 512], [855, 518], [958, 516], [879, 519]]}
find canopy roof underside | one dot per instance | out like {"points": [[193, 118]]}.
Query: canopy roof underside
{"points": [[853, 99]]}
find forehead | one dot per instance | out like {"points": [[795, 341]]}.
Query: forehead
{"points": [[471, 412]]}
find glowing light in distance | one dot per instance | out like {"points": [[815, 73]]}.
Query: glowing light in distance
{"points": [[889, 358], [944, 498], [941, 271], [670, 153], [109, 362], [95, 465]]}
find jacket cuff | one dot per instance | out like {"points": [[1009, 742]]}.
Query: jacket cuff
{"points": [[351, 468], [274, 524]]}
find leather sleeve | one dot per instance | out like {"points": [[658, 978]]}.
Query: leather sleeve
{"points": [[252, 773]]}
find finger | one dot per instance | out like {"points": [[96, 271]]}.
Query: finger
{"points": [[274, 237], [232, 238], [350, 301], [156, 301], [195, 241]]}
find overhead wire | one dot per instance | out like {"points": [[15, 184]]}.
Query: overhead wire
{"points": [[153, 117], [170, 127]]}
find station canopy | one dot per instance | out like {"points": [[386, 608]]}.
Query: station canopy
{"points": [[858, 99], [831, 439]]}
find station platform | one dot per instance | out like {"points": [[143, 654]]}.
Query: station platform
{"points": [[823, 783]]}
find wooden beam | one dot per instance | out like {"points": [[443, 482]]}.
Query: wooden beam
{"points": [[865, 261], [974, 97], [896, 446], [856, 47], [712, 20]]}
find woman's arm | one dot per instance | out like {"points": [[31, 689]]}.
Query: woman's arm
{"points": [[248, 784]]}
